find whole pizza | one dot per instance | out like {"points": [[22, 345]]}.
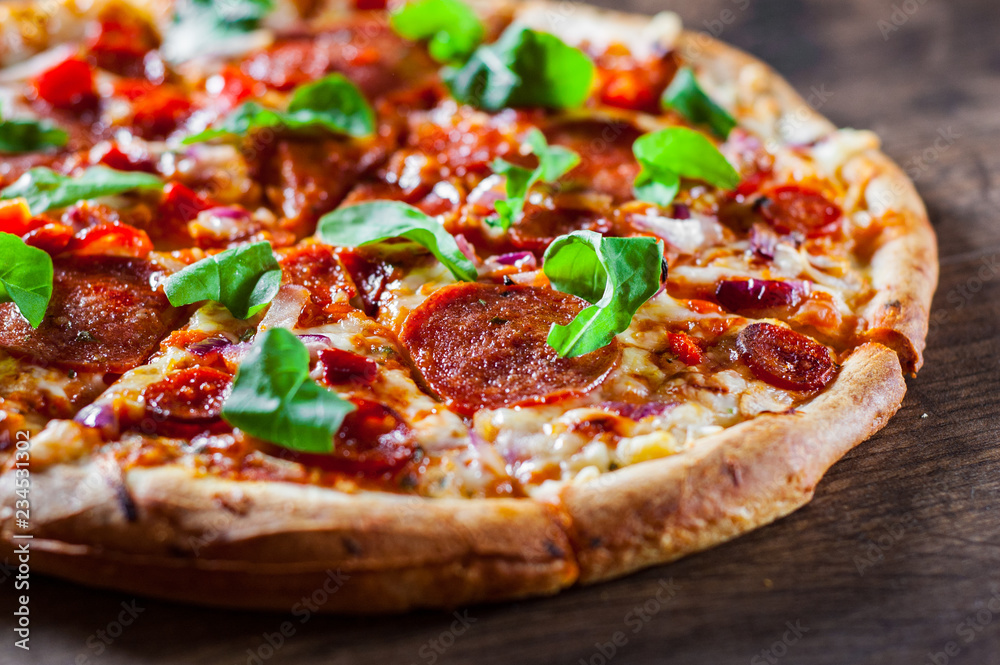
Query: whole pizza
{"points": [[427, 304]]}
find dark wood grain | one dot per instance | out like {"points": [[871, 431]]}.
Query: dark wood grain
{"points": [[899, 553]]}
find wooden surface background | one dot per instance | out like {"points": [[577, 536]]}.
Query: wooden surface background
{"points": [[897, 558]]}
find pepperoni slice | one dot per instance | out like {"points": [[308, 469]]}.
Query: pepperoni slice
{"points": [[103, 316], [607, 164], [369, 275], [756, 295], [193, 395], [340, 367], [364, 48], [373, 441], [784, 358], [317, 268], [798, 209], [121, 42], [540, 226], [484, 346]]}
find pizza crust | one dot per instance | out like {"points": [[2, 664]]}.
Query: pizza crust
{"points": [[170, 533]]}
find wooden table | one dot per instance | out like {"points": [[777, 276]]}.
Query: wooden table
{"points": [[897, 557]]}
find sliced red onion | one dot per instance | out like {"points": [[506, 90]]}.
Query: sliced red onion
{"points": [[682, 211], [747, 295], [227, 212], [466, 248], [98, 416], [315, 344], [521, 259], [638, 411], [286, 307], [684, 235], [206, 346], [763, 241]]}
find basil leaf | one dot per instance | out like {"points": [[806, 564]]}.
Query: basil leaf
{"points": [[210, 27], [617, 275], [452, 27], [274, 399], [673, 153], [685, 96], [25, 278], [378, 221], [45, 190], [659, 186], [243, 279], [523, 68], [29, 136], [519, 182], [553, 163], [332, 103]]}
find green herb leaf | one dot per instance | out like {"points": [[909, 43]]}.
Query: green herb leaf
{"points": [[617, 275], [685, 96], [659, 186], [18, 136], [378, 221], [332, 104], [274, 399], [553, 163], [25, 278], [212, 27], [45, 190], [243, 279], [674, 153], [452, 27], [523, 68]]}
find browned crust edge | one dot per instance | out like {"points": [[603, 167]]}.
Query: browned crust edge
{"points": [[262, 545]]}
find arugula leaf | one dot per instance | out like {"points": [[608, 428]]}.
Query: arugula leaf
{"points": [[45, 190], [523, 68], [332, 103], [452, 27], [378, 221], [553, 163], [243, 279], [212, 27], [616, 275], [674, 153], [685, 96], [30, 135], [25, 278], [659, 186], [274, 399]]}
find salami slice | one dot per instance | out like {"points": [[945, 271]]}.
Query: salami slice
{"points": [[784, 358], [484, 346], [104, 316], [192, 395]]}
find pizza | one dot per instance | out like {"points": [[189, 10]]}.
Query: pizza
{"points": [[451, 303]]}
